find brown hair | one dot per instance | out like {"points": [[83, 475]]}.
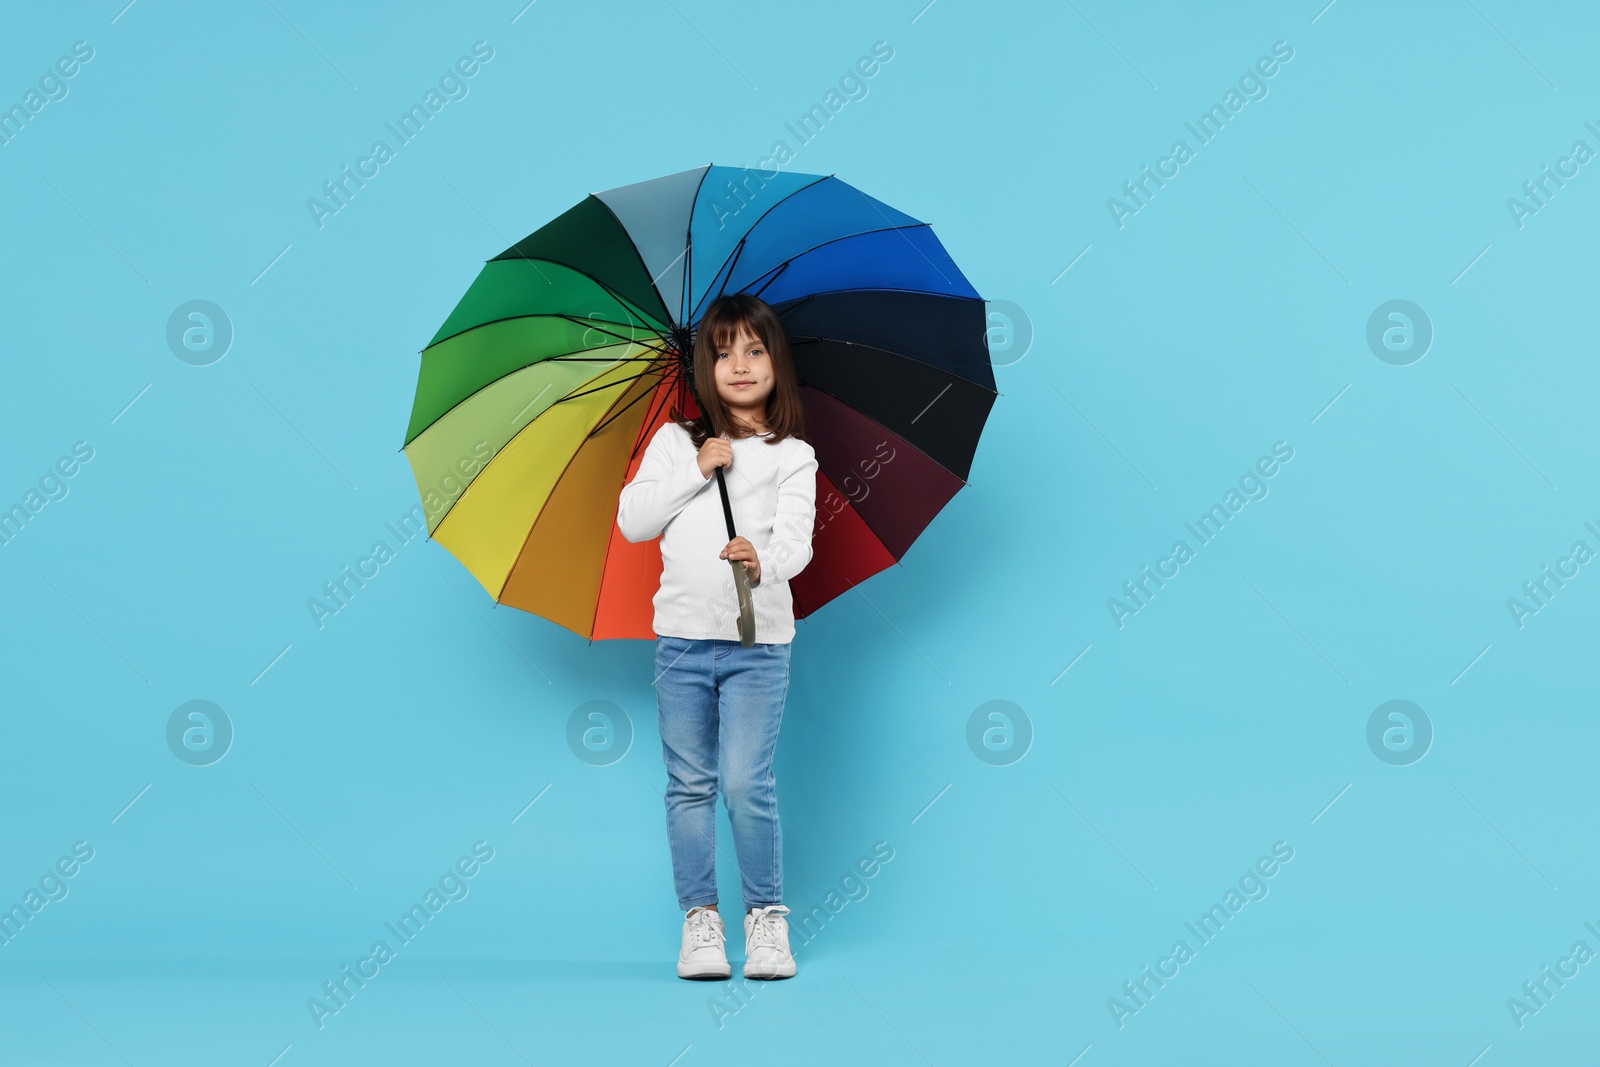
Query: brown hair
{"points": [[718, 328]]}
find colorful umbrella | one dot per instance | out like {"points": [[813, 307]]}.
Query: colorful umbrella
{"points": [[537, 396]]}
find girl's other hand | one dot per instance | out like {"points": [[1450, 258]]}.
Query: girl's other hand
{"points": [[716, 452], [741, 549]]}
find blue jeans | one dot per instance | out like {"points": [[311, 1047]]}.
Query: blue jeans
{"points": [[719, 706]]}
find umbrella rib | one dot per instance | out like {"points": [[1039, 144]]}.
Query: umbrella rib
{"points": [[498, 453], [676, 381], [881, 289], [739, 248], [685, 292], [590, 325], [545, 503], [649, 418], [619, 414], [596, 389], [644, 326], [903, 237], [591, 277], [953, 378], [532, 261], [867, 524], [565, 358], [807, 339], [622, 301], [733, 262], [672, 319], [599, 359], [775, 275], [784, 265]]}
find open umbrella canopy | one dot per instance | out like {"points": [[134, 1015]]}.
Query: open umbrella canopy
{"points": [[537, 396]]}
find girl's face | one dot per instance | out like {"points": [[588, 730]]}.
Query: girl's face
{"points": [[744, 378]]}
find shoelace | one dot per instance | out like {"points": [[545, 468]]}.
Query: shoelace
{"points": [[764, 925], [703, 929]]}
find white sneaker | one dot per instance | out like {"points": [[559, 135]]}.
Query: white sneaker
{"points": [[702, 955], [766, 943]]}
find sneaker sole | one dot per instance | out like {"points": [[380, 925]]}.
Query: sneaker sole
{"points": [[705, 975], [770, 971]]}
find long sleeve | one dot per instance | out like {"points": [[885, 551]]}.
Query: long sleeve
{"points": [[789, 549], [667, 480]]}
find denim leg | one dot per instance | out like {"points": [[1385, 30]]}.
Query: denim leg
{"points": [[686, 703], [752, 685]]}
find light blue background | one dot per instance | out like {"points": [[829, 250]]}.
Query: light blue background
{"points": [[1227, 715]]}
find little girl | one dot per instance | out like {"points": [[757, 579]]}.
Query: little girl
{"points": [[719, 703]]}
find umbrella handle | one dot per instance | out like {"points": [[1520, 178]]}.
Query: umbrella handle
{"points": [[727, 508], [741, 577], [747, 607]]}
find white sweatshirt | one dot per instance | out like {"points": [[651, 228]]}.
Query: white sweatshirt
{"points": [[772, 490]]}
